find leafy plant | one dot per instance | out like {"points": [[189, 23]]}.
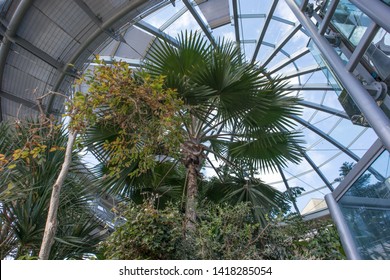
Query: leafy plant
{"points": [[25, 193], [148, 233], [223, 232], [222, 111]]}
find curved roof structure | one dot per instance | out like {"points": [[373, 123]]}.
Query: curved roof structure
{"points": [[45, 44]]}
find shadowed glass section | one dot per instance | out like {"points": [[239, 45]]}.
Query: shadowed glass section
{"points": [[350, 21]]}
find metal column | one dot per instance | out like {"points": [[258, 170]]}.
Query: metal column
{"points": [[345, 235]]}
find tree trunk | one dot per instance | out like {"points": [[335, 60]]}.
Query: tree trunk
{"points": [[51, 221], [191, 203]]}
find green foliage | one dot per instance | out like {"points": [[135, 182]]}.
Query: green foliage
{"points": [[148, 233], [236, 187], [25, 192], [235, 112], [293, 238], [142, 113], [226, 232], [223, 232], [222, 109]]}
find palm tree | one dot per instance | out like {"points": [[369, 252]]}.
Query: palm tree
{"points": [[233, 111], [25, 191], [233, 186]]}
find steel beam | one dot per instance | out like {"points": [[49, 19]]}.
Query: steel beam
{"points": [[264, 30], [361, 48], [318, 171], [235, 19], [289, 190], [283, 20], [156, 32], [89, 12], [376, 10], [131, 6], [328, 16], [12, 28], [302, 71], [252, 15], [27, 103], [298, 54], [98, 21], [37, 52], [276, 18], [367, 105], [201, 23], [312, 87], [281, 44], [367, 202], [364, 164], [326, 137], [325, 109], [268, 44], [345, 234], [169, 22]]}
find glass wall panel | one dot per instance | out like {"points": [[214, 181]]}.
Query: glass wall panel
{"points": [[350, 21], [366, 209]]}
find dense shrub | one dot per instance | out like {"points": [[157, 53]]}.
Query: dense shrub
{"points": [[148, 233], [223, 232], [294, 238]]}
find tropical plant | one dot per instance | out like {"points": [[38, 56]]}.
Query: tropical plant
{"points": [[34, 154], [234, 187], [293, 238], [148, 233], [232, 113], [228, 113], [223, 232]]}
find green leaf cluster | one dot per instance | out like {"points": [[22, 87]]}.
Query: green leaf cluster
{"points": [[148, 233], [143, 114], [25, 192], [223, 232]]}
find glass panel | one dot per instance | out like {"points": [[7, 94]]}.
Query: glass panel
{"points": [[215, 12], [321, 62], [386, 2], [366, 209], [299, 2], [378, 55], [350, 21]]}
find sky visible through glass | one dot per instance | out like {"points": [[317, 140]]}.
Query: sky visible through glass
{"points": [[302, 72]]}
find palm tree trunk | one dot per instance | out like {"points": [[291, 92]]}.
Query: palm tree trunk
{"points": [[51, 221], [191, 203]]}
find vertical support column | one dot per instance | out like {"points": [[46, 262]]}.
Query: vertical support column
{"points": [[344, 232], [236, 23], [361, 48]]}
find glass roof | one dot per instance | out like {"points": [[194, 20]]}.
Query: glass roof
{"points": [[283, 50], [267, 32]]}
